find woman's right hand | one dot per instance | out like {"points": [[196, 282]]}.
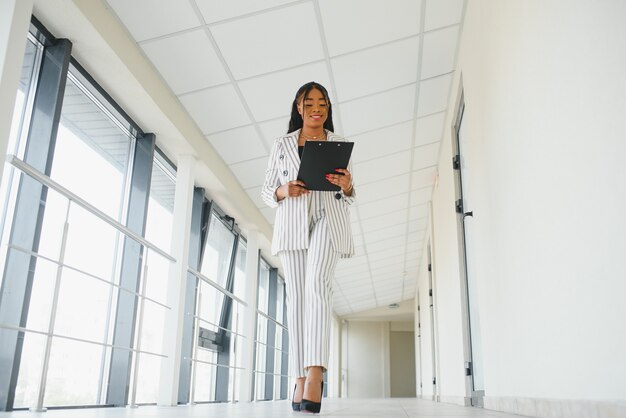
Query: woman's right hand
{"points": [[293, 188]]}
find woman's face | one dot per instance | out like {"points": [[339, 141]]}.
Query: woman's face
{"points": [[313, 109]]}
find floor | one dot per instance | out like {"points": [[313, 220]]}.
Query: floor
{"points": [[341, 408]]}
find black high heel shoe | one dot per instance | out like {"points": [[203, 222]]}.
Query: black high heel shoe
{"points": [[311, 406], [295, 405]]}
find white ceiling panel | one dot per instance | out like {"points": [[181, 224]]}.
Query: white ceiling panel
{"points": [[396, 65], [395, 231], [381, 142], [384, 244], [433, 95], [397, 260], [269, 42], [418, 225], [384, 221], [216, 10], [356, 24], [387, 166], [423, 178], [269, 214], [442, 13], [381, 189], [255, 195], [373, 112], [420, 196], [250, 173], [429, 128], [238, 144], [216, 109], [187, 61], [273, 129], [439, 52], [144, 21], [425, 155], [383, 206], [418, 212], [271, 96]]}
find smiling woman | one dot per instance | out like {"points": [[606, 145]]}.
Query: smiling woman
{"points": [[312, 231]]}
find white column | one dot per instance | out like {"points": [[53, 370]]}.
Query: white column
{"points": [[14, 21], [252, 286], [173, 327]]}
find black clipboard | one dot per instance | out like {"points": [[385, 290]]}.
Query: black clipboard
{"points": [[320, 158]]}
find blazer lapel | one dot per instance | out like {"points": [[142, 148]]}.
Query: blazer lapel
{"points": [[291, 148]]}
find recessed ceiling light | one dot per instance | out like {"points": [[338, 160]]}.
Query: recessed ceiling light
{"points": [[393, 306]]}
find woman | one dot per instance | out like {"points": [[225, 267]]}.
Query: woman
{"points": [[311, 232]]}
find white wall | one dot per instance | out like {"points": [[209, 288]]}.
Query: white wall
{"points": [[545, 93], [367, 359]]}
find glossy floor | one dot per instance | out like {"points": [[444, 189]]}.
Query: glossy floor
{"points": [[343, 408]]}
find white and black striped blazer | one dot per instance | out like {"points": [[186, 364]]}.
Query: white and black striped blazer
{"points": [[291, 229]]}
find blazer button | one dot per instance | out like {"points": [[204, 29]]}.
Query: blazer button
{"points": [[282, 157], [285, 173], [338, 196]]}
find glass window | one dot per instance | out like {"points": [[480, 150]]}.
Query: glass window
{"points": [[92, 151], [217, 251], [19, 126], [91, 159], [261, 331], [158, 232], [218, 314]]}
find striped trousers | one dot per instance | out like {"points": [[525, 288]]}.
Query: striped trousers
{"points": [[308, 284]]}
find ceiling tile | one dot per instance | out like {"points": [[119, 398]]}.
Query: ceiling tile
{"points": [[356, 24], [439, 52], [442, 13], [216, 10], [383, 206], [216, 109], [238, 144], [272, 95], [384, 244], [429, 128], [420, 196], [377, 111], [418, 225], [186, 61], [376, 69], [144, 21], [418, 212], [425, 156], [433, 95], [250, 173], [381, 142], [394, 231], [269, 214], [255, 195], [387, 166], [384, 221], [423, 178], [269, 41], [386, 254], [397, 260], [273, 129], [381, 189]]}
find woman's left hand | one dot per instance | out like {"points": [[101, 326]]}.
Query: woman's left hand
{"points": [[343, 180]]}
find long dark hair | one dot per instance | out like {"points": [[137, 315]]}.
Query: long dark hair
{"points": [[295, 122]]}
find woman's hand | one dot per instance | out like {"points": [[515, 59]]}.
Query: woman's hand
{"points": [[343, 180], [294, 188]]}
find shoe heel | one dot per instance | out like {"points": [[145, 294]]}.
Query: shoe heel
{"points": [[295, 405], [311, 406]]}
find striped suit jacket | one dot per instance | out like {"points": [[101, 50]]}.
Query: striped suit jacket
{"points": [[291, 229]]}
